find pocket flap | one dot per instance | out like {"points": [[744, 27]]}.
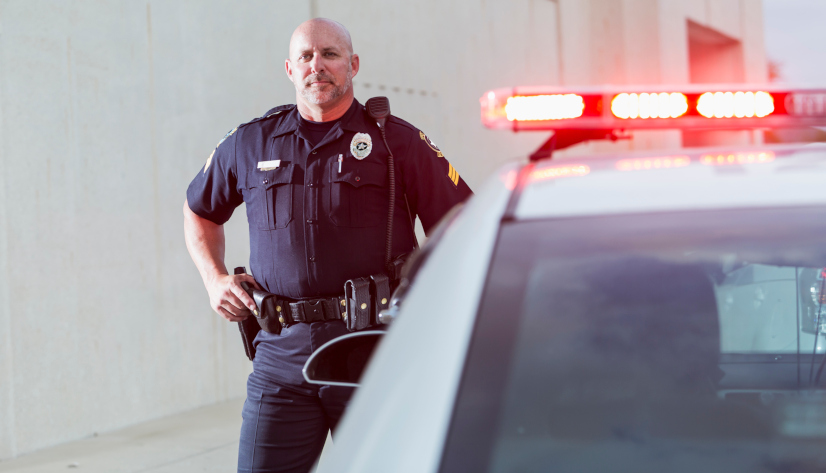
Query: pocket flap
{"points": [[273, 177], [359, 174]]}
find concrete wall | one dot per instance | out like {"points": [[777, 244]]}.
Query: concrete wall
{"points": [[109, 107]]}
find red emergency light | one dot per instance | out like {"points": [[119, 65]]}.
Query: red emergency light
{"points": [[665, 162], [725, 159], [614, 108], [560, 171]]}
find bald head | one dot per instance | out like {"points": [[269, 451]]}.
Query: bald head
{"points": [[321, 66], [320, 28]]}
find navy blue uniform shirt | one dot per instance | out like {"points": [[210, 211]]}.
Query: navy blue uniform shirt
{"points": [[318, 216]]}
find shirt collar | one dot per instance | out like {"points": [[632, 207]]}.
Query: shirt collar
{"points": [[352, 120]]}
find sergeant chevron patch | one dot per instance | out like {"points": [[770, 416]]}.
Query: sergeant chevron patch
{"points": [[452, 174]]}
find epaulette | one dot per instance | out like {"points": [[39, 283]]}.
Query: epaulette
{"points": [[270, 113], [399, 121]]}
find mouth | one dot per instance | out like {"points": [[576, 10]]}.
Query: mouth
{"points": [[318, 80]]}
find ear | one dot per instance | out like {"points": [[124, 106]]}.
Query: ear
{"points": [[289, 69], [354, 63]]}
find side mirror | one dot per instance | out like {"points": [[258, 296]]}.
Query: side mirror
{"points": [[341, 361]]}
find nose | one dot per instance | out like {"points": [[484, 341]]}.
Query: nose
{"points": [[316, 63]]}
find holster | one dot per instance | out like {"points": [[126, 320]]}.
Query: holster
{"points": [[249, 329], [269, 311]]}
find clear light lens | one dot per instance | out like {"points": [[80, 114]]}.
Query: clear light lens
{"points": [[559, 171], [641, 164], [817, 289], [544, 107], [737, 158], [818, 297], [735, 104], [662, 105]]}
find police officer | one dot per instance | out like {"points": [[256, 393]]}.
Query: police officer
{"points": [[314, 178]]}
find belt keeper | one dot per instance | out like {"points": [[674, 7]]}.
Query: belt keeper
{"points": [[357, 296], [380, 294], [282, 311], [313, 312]]}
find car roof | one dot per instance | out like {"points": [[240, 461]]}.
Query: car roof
{"points": [[687, 179]]}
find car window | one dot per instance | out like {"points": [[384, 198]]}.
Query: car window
{"points": [[662, 342]]}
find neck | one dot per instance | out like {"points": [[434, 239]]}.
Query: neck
{"points": [[324, 112]]}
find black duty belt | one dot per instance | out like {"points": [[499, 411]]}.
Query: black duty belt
{"points": [[275, 312], [316, 310], [364, 300]]}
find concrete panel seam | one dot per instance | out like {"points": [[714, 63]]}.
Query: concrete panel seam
{"points": [[5, 311]]}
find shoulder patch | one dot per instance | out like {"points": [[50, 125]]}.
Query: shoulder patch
{"points": [[431, 144], [227, 136], [209, 159]]}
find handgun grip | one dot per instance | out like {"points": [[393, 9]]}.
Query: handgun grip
{"points": [[244, 285]]}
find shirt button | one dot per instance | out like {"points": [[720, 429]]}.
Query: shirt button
{"points": [[314, 151], [310, 185], [266, 181], [312, 259], [309, 220]]}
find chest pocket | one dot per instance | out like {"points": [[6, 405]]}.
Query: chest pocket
{"points": [[358, 194], [270, 203]]}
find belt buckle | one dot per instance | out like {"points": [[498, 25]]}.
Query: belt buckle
{"points": [[313, 311]]}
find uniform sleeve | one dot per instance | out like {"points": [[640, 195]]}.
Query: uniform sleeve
{"points": [[213, 194], [432, 184]]}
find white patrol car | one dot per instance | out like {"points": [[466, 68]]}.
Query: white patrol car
{"points": [[644, 312]]}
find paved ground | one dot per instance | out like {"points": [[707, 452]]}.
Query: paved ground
{"points": [[202, 440]]}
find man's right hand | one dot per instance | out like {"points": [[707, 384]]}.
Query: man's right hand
{"points": [[229, 299], [205, 242]]}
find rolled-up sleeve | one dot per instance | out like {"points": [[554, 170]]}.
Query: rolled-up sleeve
{"points": [[213, 194]]}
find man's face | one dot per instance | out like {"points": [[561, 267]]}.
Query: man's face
{"points": [[321, 66]]}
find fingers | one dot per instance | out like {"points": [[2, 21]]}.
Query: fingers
{"points": [[240, 295], [235, 310], [235, 306], [227, 315], [229, 299], [248, 278]]}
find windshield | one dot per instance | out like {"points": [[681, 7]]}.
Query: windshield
{"points": [[663, 342]]}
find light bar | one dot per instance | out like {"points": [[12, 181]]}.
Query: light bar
{"points": [[728, 159], [544, 107], [560, 171], [736, 104], [684, 107], [644, 105], [665, 162]]}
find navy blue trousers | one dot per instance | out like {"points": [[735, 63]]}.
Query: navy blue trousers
{"points": [[286, 419]]}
